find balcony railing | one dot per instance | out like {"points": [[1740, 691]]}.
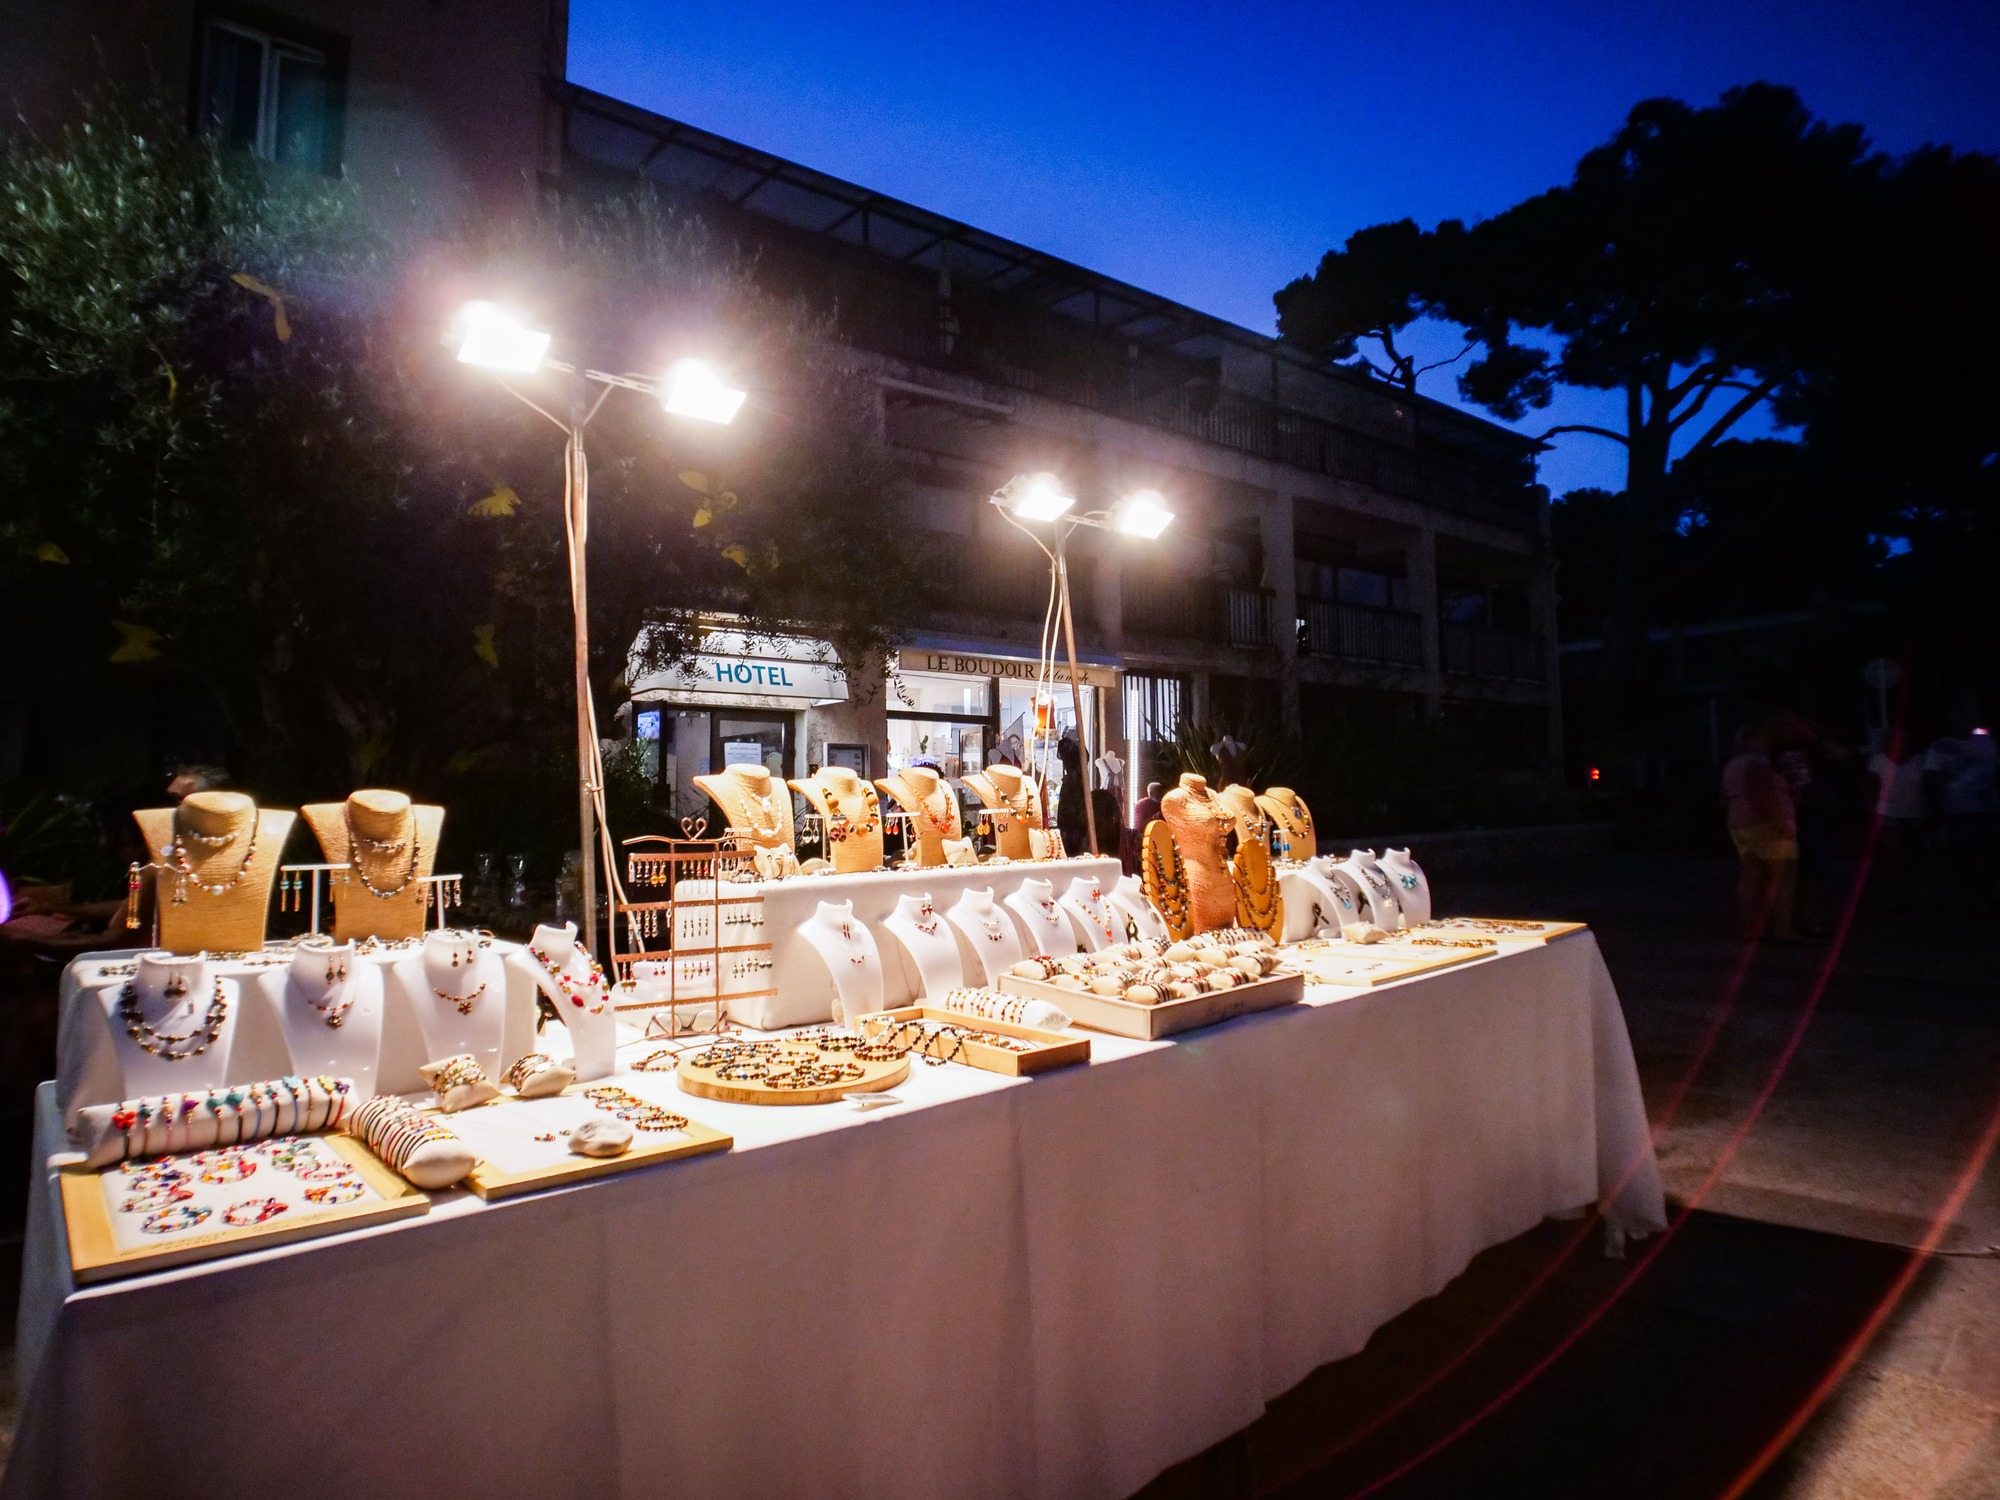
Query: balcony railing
{"points": [[1501, 655], [1355, 632], [1217, 613]]}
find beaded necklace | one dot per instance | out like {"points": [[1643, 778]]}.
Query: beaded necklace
{"points": [[572, 990], [840, 827], [355, 839], [161, 1044], [334, 1015], [176, 855]]}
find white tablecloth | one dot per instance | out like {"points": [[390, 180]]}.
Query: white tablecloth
{"points": [[1056, 1286]]}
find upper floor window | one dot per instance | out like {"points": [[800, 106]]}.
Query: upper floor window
{"points": [[271, 95]]}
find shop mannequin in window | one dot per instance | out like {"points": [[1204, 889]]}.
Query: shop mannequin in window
{"points": [[927, 797], [851, 815], [1013, 790], [390, 844]]}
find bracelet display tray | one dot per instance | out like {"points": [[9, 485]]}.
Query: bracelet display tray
{"points": [[511, 1161], [1529, 931], [1149, 1023], [875, 1076], [1330, 961], [100, 1249], [1052, 1048]]}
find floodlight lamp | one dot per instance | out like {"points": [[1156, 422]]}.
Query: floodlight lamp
{"points": [[487, 335], [695, 388], [1143, 513], [1035, 497]]}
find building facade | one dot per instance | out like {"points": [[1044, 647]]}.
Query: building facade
{"points": [[1342, 554]]}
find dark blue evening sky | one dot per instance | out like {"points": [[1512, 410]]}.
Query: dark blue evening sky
{"points": [[1211, 153]]}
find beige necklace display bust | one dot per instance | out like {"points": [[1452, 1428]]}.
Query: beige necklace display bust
{"points": [[1289, 814], [1200, 824], [850, 814], [218, 854], [391, 844], [756, 805], [1241, 804], [927, 798], [1008, 788]]}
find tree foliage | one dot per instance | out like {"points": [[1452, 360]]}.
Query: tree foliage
{"points": [[240, 463]]}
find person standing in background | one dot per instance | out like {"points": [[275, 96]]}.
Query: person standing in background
{"points": [[1148, 808], [1904, 812], [1959, 782], [1763, 825]]}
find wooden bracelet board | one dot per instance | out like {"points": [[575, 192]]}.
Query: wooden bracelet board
{"points": [[1052, 1048], [534, 1165], [703, 1084], [1532, 931], [1123, 1017], [95, 1253], [1327, 961]]}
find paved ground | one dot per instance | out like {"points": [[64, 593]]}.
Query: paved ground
{"points": [[1548, 1370]]}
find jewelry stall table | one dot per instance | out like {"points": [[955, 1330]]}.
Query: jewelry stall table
{"points": [[1056, 1285]]}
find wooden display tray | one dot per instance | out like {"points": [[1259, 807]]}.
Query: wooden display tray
{"points": [[1543, 931], [94, 1254], [1170, 1017], [875, 1076], [1053, 1049], [648, 1148], [1327, 960]]}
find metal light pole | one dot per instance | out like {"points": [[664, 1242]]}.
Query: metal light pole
{"points": [[488, 336], [1039, 498]]}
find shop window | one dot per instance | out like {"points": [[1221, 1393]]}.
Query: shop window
{"points": [[941, 693], [277, 97]]}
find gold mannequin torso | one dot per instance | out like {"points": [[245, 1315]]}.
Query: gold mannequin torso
{"points": [[1200, 825]]}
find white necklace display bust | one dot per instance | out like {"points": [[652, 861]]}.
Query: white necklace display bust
{"points": [[555, 964], [1377, 890], [929, 944], [1128, 899], [848, 950], [990, 935], [458, 992], [1097, 924], [1412, 888], [328, 1001], [174, 1003], [1043, 925]]}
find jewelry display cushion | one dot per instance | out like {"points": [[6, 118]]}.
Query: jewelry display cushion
{"points": [[705, 1079], [1163, 1018], [232, 1116], [1051, 1049]]}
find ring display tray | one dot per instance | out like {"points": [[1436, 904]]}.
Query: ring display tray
{"points": [[514, 1158], [1326, 961], [1052, 1049], [106, 1242], [1149, 1023], [1508, 929]]}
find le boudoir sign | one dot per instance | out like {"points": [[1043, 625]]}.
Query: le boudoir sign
{"points": [[1004, 666]]}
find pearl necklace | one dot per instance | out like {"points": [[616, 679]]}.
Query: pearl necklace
{"points": [[355, 839], [161, 1044], [175, 853]]}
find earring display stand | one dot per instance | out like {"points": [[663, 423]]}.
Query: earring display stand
{"points": [[692, 885]]}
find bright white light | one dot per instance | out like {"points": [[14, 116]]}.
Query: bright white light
{"points": [[1143, 513], [1035, 497], [695, 388], [487, 335]]}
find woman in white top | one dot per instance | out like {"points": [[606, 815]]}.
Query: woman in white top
{"points": [[1904, 808]]}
